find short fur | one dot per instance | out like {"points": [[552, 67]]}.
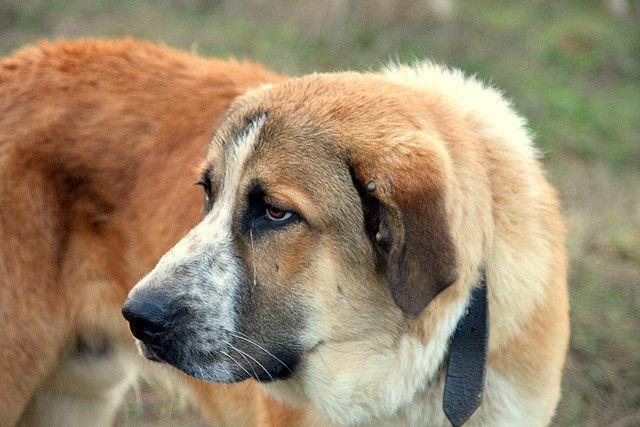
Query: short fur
{"points": [[359, 291], [99, 149], [98, 142]]}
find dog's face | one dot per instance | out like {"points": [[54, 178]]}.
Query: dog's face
{"points": [[324, 235]]}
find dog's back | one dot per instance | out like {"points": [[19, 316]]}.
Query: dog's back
{"points": [[99, 147]]}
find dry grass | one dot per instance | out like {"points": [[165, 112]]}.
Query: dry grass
{"points": [[571, 68], [602, 381]]}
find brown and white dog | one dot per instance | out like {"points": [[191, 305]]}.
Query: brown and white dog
{"points": [[100, 144], [347, 218]]}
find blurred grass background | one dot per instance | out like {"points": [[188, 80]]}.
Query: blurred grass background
{"points": [[571, 67]]}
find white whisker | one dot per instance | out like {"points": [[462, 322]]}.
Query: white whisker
{"points": [[250, 341], [255, 360], [255, 374], [259, 364], [234, 361], [253, 259]]}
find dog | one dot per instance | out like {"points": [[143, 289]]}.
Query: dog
{"points": [[380, 248], [100, 144]]}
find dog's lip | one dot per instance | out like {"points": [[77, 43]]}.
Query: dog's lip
{"points": [[279, 371], [150, 352]]}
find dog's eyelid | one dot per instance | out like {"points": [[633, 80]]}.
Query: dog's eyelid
{"points": [[276, 214], [289, 199], [270, 201], [205, 182], [205, 176], [276, 204]]}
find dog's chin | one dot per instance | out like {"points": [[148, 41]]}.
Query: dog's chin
{"points": [[211, 372], [201, 367]]}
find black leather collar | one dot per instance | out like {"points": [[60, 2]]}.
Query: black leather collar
{"points": [[467, 365]]}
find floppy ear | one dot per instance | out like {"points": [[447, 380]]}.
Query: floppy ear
{"points": [[406, 219]]}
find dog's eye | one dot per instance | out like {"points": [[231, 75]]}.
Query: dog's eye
{"points": [[205, 183], [276, 214]]}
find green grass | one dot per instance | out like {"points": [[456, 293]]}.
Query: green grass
{"points": [[569, 67]]}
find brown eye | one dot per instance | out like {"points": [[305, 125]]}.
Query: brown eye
{"points": [[276, 214]]}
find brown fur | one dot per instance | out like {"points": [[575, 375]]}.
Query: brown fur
{"points": [[98, 143], [99, 147], [424, 152], [459, 187]]}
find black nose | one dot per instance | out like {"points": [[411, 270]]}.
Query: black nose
{"points": [[149, 316]]}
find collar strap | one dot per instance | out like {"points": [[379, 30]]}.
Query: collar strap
{"points": [[467, 365]]}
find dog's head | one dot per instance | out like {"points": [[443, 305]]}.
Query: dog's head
{"points": [[325, 235]]}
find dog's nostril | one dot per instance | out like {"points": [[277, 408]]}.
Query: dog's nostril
{"points": [[147, 317], [147, 326]]}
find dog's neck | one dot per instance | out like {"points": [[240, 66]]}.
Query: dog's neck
{"points": [[422, 364]]}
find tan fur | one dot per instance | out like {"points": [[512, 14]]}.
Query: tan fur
{"points": [[99, 149], [424, 134]]}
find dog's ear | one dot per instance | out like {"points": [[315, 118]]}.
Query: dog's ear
{"points": [[406, 219]]}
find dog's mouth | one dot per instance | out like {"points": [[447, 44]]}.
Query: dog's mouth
{"points": [[148, 352], [228, 365]]}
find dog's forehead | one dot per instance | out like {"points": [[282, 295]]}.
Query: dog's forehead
{"points": [[232, 144], [267, 140], [303, 121], [309, 103]]}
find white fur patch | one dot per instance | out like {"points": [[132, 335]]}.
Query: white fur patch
{"points": [[213, 281]]}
